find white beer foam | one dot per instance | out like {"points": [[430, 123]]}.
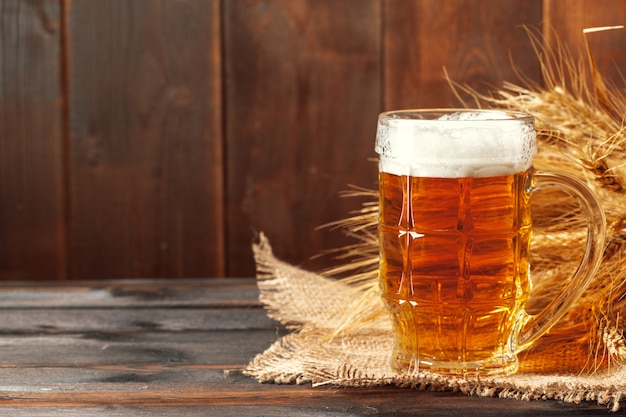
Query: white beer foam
{"points": [[457, 145]]}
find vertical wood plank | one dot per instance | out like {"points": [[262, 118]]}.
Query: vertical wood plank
{"points": [[473, 39], [32, 238], [145, 135], [566, 20], [302, 96]]}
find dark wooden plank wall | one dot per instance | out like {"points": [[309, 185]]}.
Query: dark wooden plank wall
{"points": [[154, 138], [145, 154], [32, 141]]}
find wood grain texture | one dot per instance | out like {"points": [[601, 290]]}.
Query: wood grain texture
{"points": [[302, 96], [32, 193], [566, 24], [145, 139], [474, 40], [128, 294]]}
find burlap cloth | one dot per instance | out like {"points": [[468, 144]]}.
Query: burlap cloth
{"points": [[312, 305]]}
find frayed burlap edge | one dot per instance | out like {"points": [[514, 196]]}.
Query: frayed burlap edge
{"points": [[311, 305]]}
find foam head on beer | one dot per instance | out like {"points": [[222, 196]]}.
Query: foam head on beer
{"points": [[457, 144]]}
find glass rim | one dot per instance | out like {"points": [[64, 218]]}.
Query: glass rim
{"points": [[434, 114]]}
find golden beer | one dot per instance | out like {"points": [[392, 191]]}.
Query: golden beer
{"points": [[454, 268], [454, 229]]}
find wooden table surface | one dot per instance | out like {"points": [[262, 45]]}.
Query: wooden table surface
{"points": [[147, 348]]}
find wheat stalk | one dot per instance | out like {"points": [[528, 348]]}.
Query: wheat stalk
{"points": [[581, 130]]}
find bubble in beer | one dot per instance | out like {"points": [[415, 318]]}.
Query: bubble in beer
{"points": [[455, 145]]}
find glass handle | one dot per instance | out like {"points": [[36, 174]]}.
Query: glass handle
{"points": [[531, 327]]}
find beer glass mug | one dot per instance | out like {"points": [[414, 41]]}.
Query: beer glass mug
{"points": [[454, 228]]}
